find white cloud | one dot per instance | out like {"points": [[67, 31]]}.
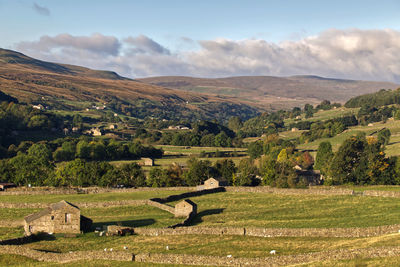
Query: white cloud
{"points": [[351, 54]]}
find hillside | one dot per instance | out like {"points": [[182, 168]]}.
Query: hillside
{"points": [[275, 91], [67, 87]]}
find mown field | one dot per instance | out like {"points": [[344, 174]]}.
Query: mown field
{"points": [[221, 209]]}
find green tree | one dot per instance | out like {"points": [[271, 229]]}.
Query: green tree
{"points": [[40, 151], [324, 157], [226, 169], [198, 171], [255, 149], [235, 123], [246, 173], [384, 136]]}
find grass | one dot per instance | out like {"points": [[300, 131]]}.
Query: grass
{"points": [[133, 216], [212, 245], [101, 197], [292, 211], [391, 150], [9, 233]]}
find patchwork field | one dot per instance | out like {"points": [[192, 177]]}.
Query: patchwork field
{"points": [[227, 209]]}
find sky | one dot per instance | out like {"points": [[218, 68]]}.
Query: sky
{"points": [[219, 38]]}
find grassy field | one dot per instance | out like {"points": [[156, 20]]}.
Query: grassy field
{"points": [[270, 210], [76, 198], [223, 209], [240, 210], [392, 149]]}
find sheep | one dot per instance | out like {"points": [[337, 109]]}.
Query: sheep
{"points": [[272, 252], [125, 247]]}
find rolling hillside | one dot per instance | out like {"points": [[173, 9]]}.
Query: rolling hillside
{"points": [[275, 91], [66, 87]]}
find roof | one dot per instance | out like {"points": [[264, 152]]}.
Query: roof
{"points": [[219, 179], [46, 211], [187, 201]]}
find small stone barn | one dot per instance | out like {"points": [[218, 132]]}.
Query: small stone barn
{"points": [[185, 208], [211, 183], [147, 161], [61, 217]]}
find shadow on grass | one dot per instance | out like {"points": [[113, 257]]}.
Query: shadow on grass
{"points": [[130, 223], [199, 217]]}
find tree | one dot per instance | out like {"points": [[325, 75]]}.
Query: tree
{"points": [[198, 171], [133, 175], [222, 140], [324, 157], [40, 151], [384, 136], [225, 169], [246, 174], [235, 123], [30, 170], [255, 149], [158, 178], [83, 149], [282, 156]]}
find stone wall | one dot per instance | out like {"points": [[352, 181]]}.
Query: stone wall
{"points": [[275, 260], [84, 190], [189, 194], [289, 191], [66, 257], [273, 232], [377, 193]]}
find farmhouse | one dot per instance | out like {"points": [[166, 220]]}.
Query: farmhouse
{"points": [[185, 208], [61, 217]]}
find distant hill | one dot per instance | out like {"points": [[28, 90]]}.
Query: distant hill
{"points": [[66, 86], [271, 90]]}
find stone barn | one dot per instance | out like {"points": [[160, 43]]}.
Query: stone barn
{"points": [[61, 217], [185, 208], [147, 161], [211, 183]]}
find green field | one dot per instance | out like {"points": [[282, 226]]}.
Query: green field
{"points": [[219, 210], [392, 149], [76, 198]]}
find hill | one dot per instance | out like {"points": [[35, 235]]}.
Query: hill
{"points": [[70, 87], [275, 91]]}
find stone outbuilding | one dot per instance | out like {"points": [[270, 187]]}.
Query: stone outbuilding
{"points": [[185, 208], [61, 217], [147, 161], [211, 183]]}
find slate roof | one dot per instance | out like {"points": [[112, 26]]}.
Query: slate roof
{"points": [[46, 211]]}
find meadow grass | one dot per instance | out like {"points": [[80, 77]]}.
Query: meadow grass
{"points": [[250, 209], [392, 149], [133, 216], [212, 245], [101, 197], [11, 232], [294, 211]]}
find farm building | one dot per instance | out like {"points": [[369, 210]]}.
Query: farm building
{"points": [[212, 183], [185, 208], [61, 217], [147, 161]]}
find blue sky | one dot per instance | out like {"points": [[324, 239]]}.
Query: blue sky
{"points": [[182, 27]]}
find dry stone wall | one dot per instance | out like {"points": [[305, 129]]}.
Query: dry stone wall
{"points": [[289, 191], [273, 232]]}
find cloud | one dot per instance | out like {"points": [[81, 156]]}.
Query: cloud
{"points": [[95, 44], [41, 9], [143, 44], [350, 54]]}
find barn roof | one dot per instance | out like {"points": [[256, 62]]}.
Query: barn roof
{"points": [[46, 211], [187, 201]]}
